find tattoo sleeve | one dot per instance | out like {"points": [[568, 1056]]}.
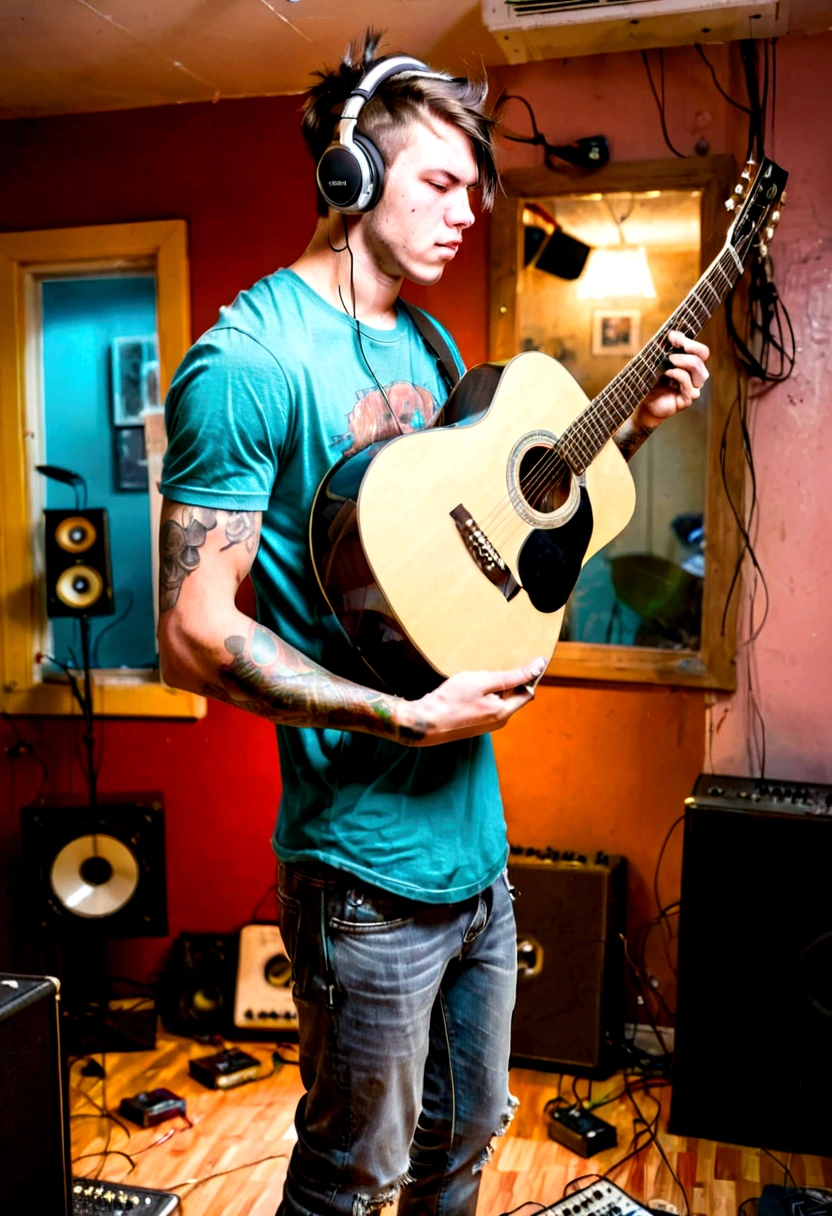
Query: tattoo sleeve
{"points": [[180, 541], [268, 677]]}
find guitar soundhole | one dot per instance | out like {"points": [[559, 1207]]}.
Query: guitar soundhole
{"points": [[544, 479]]}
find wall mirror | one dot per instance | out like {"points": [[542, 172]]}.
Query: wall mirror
{"points": [[100, 318], [587, 270]]}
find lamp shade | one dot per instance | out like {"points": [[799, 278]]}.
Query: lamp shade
{"points": [[617, 272]]}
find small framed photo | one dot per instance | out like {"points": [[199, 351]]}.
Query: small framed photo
{"points": [[616, 332], [131, 459], [135, 363]]}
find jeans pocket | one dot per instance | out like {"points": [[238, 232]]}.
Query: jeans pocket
{"points": [[371, 910], [288, 919]]}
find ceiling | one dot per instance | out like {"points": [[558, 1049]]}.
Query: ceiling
{"points": [[71, 56]]}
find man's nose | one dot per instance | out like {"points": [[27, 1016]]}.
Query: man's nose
{"points": [[461, 214]]}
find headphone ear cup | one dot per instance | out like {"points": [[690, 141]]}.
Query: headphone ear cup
{"points": [[376, 164], [341, 177]]}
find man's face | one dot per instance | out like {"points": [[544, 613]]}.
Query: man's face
{"points": [[425, 208]]}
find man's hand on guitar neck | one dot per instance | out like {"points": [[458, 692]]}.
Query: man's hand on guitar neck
{"points": [[467, 704], [679, 387]]}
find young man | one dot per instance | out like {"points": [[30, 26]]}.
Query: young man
{"points": [[394, 906]]}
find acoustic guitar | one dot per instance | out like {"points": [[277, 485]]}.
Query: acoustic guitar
{"points": [[456, 547]]}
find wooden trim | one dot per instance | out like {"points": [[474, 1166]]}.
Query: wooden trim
{"points": [[25, 258], [713, 666]]}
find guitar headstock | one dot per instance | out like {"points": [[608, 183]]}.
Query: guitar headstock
{"points": [[760, 194]]}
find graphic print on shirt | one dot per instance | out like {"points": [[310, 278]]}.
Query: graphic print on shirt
{"points": [[370, 420]]}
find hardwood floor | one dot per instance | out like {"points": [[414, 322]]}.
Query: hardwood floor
{"points": [[251, 1127]]}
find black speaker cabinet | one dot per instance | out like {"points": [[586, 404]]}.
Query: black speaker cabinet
{"points": [[96, 871], [34, 1114], [196, 994], [570, 911], [753, 1057], [79, 581]]}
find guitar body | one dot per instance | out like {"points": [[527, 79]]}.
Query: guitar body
{"points": [[435, 552]]}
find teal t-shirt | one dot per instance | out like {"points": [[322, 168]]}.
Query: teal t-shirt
{"points": [[260, 408]]}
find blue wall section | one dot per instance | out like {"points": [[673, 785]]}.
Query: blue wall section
{"points": [[81, 317]]}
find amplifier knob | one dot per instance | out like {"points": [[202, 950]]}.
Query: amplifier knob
{"points": [[715, 791]]}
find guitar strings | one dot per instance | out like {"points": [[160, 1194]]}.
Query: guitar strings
{"points": [[551, 467]]}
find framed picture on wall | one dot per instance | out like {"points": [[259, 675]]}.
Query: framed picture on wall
{"points": [[131, 459], [135, 366], [616, 331]]}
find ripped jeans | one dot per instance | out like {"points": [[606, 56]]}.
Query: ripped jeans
{"points": [[405, 1016]]}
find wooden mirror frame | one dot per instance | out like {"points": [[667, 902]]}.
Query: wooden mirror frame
{"points": [[26, 258], [713, 665]]}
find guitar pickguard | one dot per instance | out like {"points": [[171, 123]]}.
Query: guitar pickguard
{"points": [[550, 559]]}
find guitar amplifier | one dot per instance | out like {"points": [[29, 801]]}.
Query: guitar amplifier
{"points": [[570, 912], [263, 994], [34, 1113], [754, 1013]]}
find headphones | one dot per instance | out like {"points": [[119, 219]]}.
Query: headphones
{"points": [[350, 173]]}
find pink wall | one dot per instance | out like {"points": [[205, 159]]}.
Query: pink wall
{"points": [[586, 765]]}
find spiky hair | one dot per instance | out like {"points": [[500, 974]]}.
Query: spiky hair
{"points": [[395, 106]]}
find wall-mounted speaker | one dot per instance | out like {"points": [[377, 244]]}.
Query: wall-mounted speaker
{"points": [[96, 871], [570, 911], [79, 580]]}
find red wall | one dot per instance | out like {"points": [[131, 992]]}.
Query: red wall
{"points": [[591, 766]]}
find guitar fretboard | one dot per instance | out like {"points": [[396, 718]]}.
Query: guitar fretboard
{"points": [[583, 440]]}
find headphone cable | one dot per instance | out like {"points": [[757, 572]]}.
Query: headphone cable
{"points": [[346, 246]]}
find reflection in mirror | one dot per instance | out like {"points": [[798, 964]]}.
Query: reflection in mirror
{"points": [[100, 379], [602, 274]]}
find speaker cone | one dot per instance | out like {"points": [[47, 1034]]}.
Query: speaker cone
{"points": [[76, 534], [79, 587], [94, 875]]}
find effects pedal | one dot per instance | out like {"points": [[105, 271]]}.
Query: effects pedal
{"points": [[92, 1197], [225, 1069], [154, 1106], [580, 1131]]}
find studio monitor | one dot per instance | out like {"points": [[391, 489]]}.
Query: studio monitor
{"points": [[96, 872], [570, 910], [753, 1054], [79, 581]]}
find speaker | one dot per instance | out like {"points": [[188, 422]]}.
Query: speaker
{"points": [[34, 1113], [79, 581], [753, 1053], [238, 985], [96, 872], [570, 911], [196, 993]]}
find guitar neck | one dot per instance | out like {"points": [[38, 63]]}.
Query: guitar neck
{"points": [[581, 443]]}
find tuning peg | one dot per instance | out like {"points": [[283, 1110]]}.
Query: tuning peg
{"points": [[775, 217], [739, 188], [763, 249], [730, 204], [783, 199], [746, 175], [770, 233], [751, 163]]}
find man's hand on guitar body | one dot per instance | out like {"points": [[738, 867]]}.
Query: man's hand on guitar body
{"points": [[679, 387], [470, 703]]}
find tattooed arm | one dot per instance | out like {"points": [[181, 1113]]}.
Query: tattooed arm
{"points": [[207, 645], [680, 385]]}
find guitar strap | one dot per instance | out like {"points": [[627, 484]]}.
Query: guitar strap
{"points": [[435, 343]]}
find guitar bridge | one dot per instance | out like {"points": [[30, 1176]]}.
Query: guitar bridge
{"points": [[484, 554]]}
